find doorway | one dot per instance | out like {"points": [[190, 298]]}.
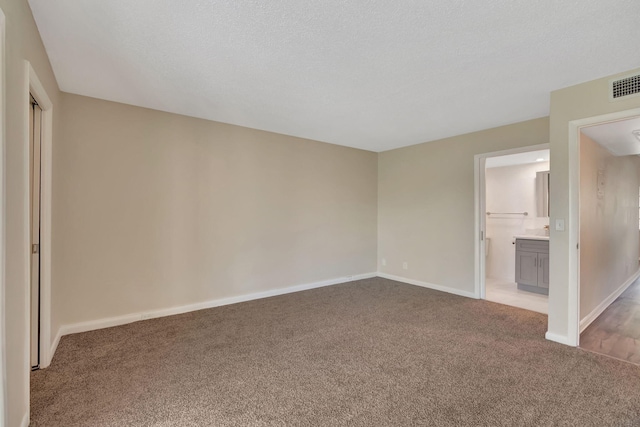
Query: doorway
{"points": [[577, 320], [35, 196], [41, 127], [512, 219], [609, 236]]}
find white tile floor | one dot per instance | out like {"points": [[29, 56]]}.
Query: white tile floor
{"points": [[508, 293]]}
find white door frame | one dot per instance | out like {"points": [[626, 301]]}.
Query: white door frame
{"points": [[36, 89], [480, 209], [3, 216], [573, 308]]}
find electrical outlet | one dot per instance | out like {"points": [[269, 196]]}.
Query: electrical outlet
{"points": [[405, 265], [559, 224], [384, 261]]}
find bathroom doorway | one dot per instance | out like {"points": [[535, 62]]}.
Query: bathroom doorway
{"points": [[512, 210]]}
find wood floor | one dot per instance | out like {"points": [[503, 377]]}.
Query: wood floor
{"points": [[616, 332]]}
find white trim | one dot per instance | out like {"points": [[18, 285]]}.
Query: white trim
{"points": [[562, 339], [56, 341], [573, 307], [25, 420], [3, 216], [573, 300], [27, 244], [480, 264], [134, 317], [440, 288], [479, 207], [35, 88], [589, 318], [517, 150]]}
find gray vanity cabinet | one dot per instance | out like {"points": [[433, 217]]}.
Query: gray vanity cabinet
{"points": [[532, 265], [543, 270]]}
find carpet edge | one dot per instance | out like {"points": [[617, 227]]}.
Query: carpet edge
{"points": [[108, 322]]}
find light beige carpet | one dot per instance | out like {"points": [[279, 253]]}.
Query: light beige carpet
{"points": [[367, 353]]}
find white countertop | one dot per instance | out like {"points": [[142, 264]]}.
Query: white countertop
{"points": [[531, 237]]}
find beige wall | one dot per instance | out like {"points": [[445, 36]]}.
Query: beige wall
{"points": [[608, 223], [154, 210], [22, 42], [573, 103], [510, 189], [426, 203]]}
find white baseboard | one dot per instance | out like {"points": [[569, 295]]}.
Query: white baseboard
{"points": [[45, 358], [441, 288], [54, 345], [134, 317], [25, 420], [562, 339], [589, 318]]}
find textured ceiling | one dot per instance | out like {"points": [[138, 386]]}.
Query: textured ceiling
{"points": [[372, 74]]}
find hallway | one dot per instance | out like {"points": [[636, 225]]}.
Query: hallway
{"points": [[616, 332]]}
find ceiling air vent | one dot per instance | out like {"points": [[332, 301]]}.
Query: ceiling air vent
{"points": [[626, 86]]}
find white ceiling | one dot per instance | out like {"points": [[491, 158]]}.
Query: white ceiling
{"points": [[518, 159], [617, 137], [371, 74]]}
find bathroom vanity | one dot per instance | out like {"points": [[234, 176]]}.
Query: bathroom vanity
{"points": [[532, 263]]}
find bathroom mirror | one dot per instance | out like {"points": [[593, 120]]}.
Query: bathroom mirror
{"points": [[542, 194]]}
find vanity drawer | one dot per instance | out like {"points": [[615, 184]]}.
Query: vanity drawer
{"points": [[532, 245]]}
